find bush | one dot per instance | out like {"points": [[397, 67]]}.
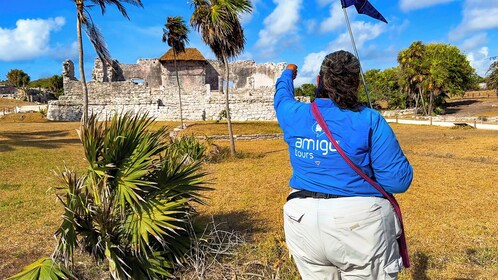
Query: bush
{"points": [[188, 146], [133, 205]]}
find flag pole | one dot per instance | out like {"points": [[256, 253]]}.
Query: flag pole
{"points": [[357, 56]]}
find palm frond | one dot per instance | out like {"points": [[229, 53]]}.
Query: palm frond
{"points": [[43, 268], [175, 33], [219, 24], [103, 5], [97, 39]]}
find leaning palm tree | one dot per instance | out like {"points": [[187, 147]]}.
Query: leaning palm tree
{"points": [[219, 24], [95, 36], [175, 34]]}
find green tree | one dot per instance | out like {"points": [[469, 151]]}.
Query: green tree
{"points": [[450, 73], [18, 78], [306, 90], [175, 34], [56, 84], [492, 78], [133, 204], [434, 71], [219, 24], [384, 86], [95, 36], [414, 70]]}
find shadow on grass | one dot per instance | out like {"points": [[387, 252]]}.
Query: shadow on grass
{"points": [[243, 222], [39, 139], [455, 106], [420, 264], [12, 261]]}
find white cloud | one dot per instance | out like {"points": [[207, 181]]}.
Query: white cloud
{"points": [[30, 38], [478, 15], [480, 60], [311, 26], [280, 26], [409, 5], [474, 42], [63, 52], [247, 17], [322, 3], [335, 20], [363, 32]]}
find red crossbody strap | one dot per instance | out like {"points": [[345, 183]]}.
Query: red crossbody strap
{"points": [[402, 240]]}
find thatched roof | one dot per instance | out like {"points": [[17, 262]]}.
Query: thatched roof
{"points": [[190, 54]]}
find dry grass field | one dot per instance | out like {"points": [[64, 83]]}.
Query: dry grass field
{"points": [[12, 103], [450, 211]]}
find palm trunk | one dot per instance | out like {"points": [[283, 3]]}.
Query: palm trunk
{"points": [[82, 68], [227, 108], [416, 103], [430, 102], [422, 99], [179, 90]]}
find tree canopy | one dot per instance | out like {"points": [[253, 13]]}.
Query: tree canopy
{"points": [[18, 78], [492, 78]]}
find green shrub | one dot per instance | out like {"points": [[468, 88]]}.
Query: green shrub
{"points": [[188, 146], [133, 205]]}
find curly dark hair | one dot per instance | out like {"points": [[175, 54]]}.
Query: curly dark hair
{"points": [[340, 79]]}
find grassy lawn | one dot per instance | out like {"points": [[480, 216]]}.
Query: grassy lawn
{"points": [[449, 211]]}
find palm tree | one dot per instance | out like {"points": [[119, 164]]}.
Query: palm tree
{"points": [[219, 24], [414, 70], [95, 36], [175, 34]]}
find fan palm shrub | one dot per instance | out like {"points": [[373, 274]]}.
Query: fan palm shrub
{"points": [[132, 207]]}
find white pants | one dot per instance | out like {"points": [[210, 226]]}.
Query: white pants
{"points": [[343, 238]]}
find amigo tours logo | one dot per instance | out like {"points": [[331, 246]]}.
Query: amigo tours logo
{"points": [[307, 147]]}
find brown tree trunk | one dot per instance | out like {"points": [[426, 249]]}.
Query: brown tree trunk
{"points": [[422, 99], [179, 90], [79, 6], [227, 107], [431, 98]]}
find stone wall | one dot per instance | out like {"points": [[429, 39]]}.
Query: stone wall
{"points": [[251, 93], [198, 103]]}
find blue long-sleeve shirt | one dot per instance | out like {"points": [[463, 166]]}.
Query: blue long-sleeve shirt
{"points": [[366, 138]]}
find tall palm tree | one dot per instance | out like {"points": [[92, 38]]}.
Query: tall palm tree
{"points": [[95, 36], [175, 34], [219, 24]]}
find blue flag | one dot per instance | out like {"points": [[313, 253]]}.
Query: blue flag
{"points": [[364, 7]]}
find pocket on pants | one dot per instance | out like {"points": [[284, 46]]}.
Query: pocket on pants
{"points": [[362, 235], [292, 213], [295, 231]]}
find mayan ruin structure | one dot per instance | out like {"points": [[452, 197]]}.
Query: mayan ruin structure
{"points": [[150, 86]]}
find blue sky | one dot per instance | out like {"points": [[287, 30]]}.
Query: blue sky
{"points": [[36, 36]]}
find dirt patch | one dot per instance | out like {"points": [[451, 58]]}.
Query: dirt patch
{"points": [[473, 107]]}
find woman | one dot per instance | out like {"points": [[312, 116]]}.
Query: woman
{"points": [[337, 225]]}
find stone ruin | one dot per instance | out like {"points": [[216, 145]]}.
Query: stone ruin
{"points": [[150, 86]]}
